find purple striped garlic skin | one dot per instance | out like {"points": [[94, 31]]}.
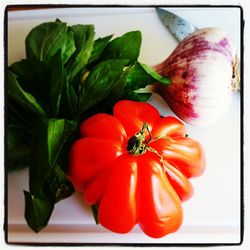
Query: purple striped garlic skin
{"points": [[202, 72]]}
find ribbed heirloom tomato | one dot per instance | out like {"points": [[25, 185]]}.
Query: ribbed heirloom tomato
{"points": [[136, 167]]}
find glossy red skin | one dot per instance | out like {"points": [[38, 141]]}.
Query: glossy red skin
{"points": [[135, 189]]}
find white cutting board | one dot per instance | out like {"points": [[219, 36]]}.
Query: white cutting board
{"points": [[213, 214]]}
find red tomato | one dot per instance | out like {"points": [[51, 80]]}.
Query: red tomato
{"points": [[135, 166]]}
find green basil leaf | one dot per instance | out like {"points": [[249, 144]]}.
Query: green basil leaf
{"points": [[37, 211], [57, 82], [141, 75], [18, 157], [18, 154], [99, 46], [47, 182], [100, 82], [94, 209], [57, 186], [134, 77], [22, 70], [34, 78], [69, 100], [125, 47], [140, 97], [45, 40], [46, 144], [116, 93], [14, 137], [69, 48], [22, 97], [17, 116], [155, 75], [57, 133], [84, 41]]}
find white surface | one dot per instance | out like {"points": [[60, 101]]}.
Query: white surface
{"points": [[212, 215]]}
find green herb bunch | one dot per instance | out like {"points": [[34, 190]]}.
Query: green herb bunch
{"points": [[67, 76]]}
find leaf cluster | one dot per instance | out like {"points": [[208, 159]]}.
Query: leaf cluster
{"points": [[67, 75]]}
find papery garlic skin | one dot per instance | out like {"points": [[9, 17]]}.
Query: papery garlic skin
{"points": [[202, 72]]}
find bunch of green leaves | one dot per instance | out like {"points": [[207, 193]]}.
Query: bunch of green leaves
{"points": [[67, 75]]}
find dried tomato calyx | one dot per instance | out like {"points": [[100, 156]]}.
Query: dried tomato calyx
{"points": [[137, 144]]}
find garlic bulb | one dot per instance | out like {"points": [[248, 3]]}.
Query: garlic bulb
{"points": [[203, 73]]}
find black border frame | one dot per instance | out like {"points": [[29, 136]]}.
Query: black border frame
{"points": [[12, 7]]}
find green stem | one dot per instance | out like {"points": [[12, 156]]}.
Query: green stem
{"points": [[138, 144]]}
